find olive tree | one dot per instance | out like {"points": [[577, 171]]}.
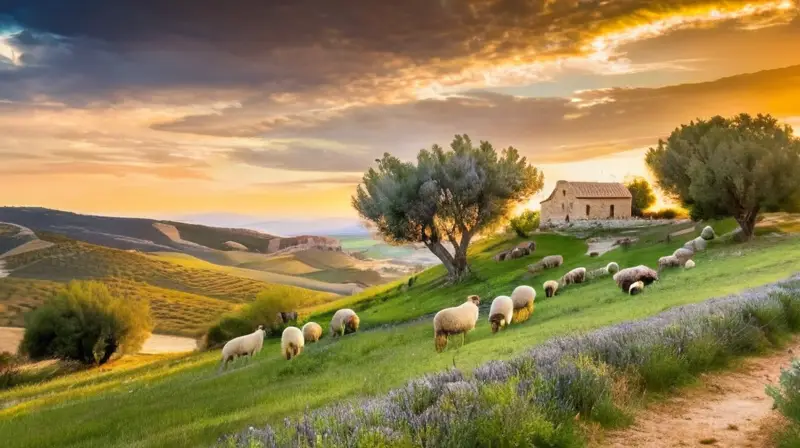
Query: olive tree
{"points": [[448, 196], [84, 322], [735, 167], [643, 196]]}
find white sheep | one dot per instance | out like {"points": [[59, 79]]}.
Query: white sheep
{"points": [[683, 254], [550, 288], [696, 245], [708, 233], [612, 268], [577, 275], [247, 345], [548, 262], [455, 320], [523, 297], [292, 342], [344, 321], [312, 332], [636, 288], [689, 264], [501, 312], [670, 261], [626, 277]]}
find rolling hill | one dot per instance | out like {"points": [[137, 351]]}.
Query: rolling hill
{"points": [[184, 299], [303, 261]]}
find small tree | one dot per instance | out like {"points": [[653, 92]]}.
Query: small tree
{"points": [[643, 196], [524, 223], [730, 167], [262, 311], [448, 196], [86, 323]]}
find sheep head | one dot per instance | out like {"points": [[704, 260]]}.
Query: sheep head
{"points": [[474, 299]]}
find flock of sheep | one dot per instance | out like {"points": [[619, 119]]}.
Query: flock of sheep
{"points": [[459, 320], [293, 339]]}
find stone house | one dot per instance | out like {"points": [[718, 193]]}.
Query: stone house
{"points": [[572, 201]]}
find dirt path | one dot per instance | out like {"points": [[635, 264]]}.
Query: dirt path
{"points": [[730, 409], [156, 343]]}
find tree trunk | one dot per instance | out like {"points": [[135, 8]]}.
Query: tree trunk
{"points": [[110, 348], [456, 266], [747, 222]]}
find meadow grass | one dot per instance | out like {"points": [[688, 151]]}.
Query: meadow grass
{"points": [[183, 402]]}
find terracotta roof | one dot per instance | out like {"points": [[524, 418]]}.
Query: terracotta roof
{"points": [[596, 190]]}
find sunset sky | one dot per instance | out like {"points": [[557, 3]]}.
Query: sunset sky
{"points": [[275, 107]]}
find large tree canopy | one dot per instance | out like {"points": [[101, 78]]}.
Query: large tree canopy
{"points": [[643, 196], [730, 167], [448, 196]]}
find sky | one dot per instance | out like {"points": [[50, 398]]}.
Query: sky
{"points": [[275, 108]]}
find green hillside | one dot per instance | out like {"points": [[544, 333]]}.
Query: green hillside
{"points": [[188, 404]]}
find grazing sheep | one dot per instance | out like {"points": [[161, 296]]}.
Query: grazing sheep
{"points": [[247, 345], [344, 321], [286, 317], [501, 312], [455, 320], [689, 264], [550, 288], [312, 332], [502, 256], [577, 275], [626, 277], [523, 297], [683, 254], [292, 342], [612, 268], [530, 245], [596, 273], [670, 261], [696, 245], [636, 288], [549, 262], [708, 233]]}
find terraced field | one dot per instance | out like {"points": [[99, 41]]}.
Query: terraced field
{"points": [[184, 300]]}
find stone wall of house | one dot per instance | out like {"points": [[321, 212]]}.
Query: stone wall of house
{"points": [[564, 204]]}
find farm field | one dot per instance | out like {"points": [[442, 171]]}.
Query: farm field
{"points": [[184, 299], [181, 401]]}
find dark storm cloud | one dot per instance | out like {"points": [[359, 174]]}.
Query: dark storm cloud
{"points": [[92, 50], [302, 158]]}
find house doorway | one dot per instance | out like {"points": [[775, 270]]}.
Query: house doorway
{"points": [[611, 213], [588, 209]]}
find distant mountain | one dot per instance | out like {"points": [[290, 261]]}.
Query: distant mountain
{"points": [[151, 235], [284, 227]]}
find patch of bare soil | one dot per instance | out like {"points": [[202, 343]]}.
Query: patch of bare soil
{"points": [[730, 409]]}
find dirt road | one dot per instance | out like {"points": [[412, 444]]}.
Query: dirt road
{"points": [[729, 409], [157, 343]]}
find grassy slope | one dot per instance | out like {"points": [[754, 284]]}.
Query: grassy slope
{"points": [[184, 299], [183, 403]]}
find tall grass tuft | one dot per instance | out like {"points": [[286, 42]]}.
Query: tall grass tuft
{"points": [[787, 401], [539, 398]]}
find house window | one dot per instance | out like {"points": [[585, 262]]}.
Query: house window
{"points": [[564, 192], [612, 211], [588, 209]]}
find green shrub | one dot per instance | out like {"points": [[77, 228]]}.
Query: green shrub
{"points": [[9, 370], [663, 369], [525, 223], [787, 395], [263, 311], [84, 322]]}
